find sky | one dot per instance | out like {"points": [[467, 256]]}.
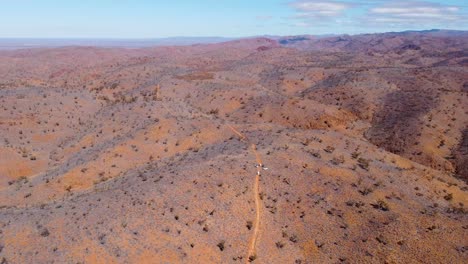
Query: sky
{"points": [[228, 18]]}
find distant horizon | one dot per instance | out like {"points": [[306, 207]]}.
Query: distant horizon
{"points": [[224, 37], [28, 43]]}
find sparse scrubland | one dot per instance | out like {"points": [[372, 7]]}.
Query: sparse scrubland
{"points": [[125, 155]]}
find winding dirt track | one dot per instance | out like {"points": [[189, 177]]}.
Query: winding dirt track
{"points": [[253, 240], [251, 255]]}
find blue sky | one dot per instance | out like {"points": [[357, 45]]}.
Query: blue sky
{"points": [[230, 18]]}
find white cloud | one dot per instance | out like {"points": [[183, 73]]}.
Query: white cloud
{"points": [[376, 14], [414, 12], [302, 24], [319, 9]]}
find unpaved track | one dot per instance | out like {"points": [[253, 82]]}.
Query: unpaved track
{"points": [[254, 238], [251, 255]]}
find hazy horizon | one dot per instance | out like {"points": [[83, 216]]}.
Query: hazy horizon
{"points": [[226, 36], [25, 43]]}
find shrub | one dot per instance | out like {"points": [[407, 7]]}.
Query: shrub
{"points": [[220, 245], [448, 197], [381, 205], [363, 163]]}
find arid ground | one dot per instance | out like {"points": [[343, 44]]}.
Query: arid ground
{"points": [[151, 155]]}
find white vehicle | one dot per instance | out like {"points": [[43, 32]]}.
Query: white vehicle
{"points": [[261, 166]]}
